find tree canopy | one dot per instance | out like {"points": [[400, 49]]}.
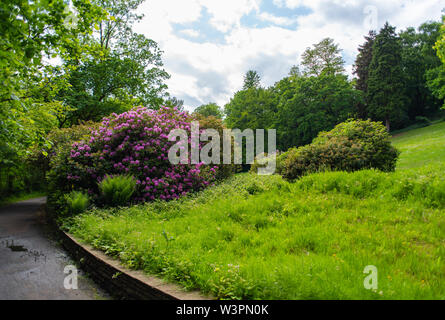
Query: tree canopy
{"points": [[324, 57], [209, 109]]}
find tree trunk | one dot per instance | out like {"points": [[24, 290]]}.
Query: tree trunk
{"points": [[387, 123]]}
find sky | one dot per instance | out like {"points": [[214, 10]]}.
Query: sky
{"points": [[208, 45]]}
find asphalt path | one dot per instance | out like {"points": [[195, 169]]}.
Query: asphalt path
{"points": [[33, 266]]}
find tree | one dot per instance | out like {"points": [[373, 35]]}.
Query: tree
{"points": [[253, 108], [33, 31], [295, 71], [123, 69], [436, 76], [386, 92], [324, 57], [418, 57], [308, 105], [210, 109], [361, 68], [174, 102], [250, 109], [251, 80]]}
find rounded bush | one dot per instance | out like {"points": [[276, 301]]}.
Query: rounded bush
{"points": [[136, 143], [350, 146]]}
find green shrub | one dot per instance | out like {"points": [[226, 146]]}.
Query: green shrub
{"points": [[77, 202], [223, 171], [117, 190], [350, 146]]}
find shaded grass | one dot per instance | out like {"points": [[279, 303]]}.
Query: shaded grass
{"points": [[21, 197], [259, 237]]}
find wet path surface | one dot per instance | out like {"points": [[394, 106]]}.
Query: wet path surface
{"points": [[31, 263]]}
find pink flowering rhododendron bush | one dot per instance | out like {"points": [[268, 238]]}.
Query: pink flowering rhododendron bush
{"points": [[134, 143]]}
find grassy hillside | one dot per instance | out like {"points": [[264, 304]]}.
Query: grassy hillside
{"points": [[259, 237], [421, 147]]}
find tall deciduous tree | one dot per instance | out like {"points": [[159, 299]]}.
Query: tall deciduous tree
{"points": [[436, 76], [32, 32], [308, 105], [418, 57], [209, 109], [324, 57], [252, 108], [386, 92], [122, 70]]}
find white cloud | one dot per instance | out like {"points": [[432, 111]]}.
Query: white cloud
{"points": [[282, 21], [190, 32], [227, 14], [212, 71]]}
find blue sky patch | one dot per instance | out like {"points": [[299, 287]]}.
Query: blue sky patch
{"points": [[207, 33]]}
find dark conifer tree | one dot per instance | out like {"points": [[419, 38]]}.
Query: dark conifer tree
{"points": [[361, 69], [386, 92]]}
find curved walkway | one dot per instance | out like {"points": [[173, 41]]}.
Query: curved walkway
{"points": [[31, 264]]}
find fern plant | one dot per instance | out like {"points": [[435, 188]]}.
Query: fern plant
{"points": [[117, 190], [77, 202]]}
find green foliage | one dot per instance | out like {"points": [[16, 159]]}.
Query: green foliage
{"points": [[252, 108], [54, 161], [310, 105], [436, 76], [32, 31], [323, 58], [418, 58], [123, 70], [361, 69], [77, 202], [297, 107], [436, 82], [386, 93], [251, 80], [440, 43], [210, 122], [422, 121], [210, 109], [350, 146], [117, 190]]}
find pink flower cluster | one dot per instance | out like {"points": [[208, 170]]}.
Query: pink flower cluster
{"points": [[136, 143]]}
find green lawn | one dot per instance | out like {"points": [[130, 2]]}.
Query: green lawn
{"points": [[259, 237], [421, 147]]}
